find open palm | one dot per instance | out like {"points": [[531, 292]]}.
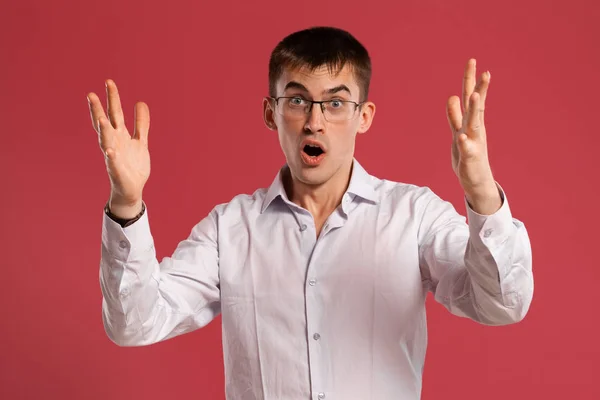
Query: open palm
{"points": [[469, 144], [127, 157]]}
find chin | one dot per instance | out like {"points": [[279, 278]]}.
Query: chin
{"points": [[312, 176]]}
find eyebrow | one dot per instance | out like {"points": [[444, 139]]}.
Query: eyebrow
{"points": [[336, 89]]}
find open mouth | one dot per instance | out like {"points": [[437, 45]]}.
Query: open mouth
{"points": [[312, 153], [313, 150]]}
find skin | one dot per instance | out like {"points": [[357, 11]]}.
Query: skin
{"points": [[126, 157], [320, 189], [317, 189], [470, 161]]}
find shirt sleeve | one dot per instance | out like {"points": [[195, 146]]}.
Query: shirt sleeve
{"points": [[146, 301], [481, 270]]}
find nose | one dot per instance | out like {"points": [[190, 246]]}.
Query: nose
{"points": [[316, 120]]}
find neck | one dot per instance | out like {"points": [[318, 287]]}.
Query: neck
{"points": [[320, 200]]}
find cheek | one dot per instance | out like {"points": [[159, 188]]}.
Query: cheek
{"points": [[288, 140], [283, 125], [289, 130], [345, 140]]}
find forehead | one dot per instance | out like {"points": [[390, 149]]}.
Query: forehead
{"points": [[318, 80]]}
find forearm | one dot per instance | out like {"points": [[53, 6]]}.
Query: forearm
{"points": [[486, 199], [146, 301], [128, 262], [498, 261], [500, 276], [482, 270], [122, 209]]}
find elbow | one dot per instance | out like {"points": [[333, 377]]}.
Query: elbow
{"points": [[519, 311], [120, 332], [507, 316], [508, 309], [117, 339]]}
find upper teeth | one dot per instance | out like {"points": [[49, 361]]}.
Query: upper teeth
{"points": [[313, 145]]}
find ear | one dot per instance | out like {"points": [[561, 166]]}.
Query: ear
{"points": [[367, 113], [269, 114]]}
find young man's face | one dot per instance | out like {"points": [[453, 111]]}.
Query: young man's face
{"points": [[334, 132]]}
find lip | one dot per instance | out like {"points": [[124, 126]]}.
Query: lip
{"points": [[312, 142], [308, 160], [311, 161]]}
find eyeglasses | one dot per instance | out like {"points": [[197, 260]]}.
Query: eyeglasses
{"points": [[298, 108]]}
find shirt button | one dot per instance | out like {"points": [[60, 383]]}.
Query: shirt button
{"points": [[321, 395], [312, 282], [487, 232], [122, 244], [316, 336], [303, 227], [125, 292]]}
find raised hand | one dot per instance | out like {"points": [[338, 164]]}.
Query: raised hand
{"points": [[470, 159], [127, 157]]}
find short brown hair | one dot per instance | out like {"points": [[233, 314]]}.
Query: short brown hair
{"points": [[321, 46]]}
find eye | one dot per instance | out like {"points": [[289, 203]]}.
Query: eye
{"points": [[336, 103], [296, 101]]}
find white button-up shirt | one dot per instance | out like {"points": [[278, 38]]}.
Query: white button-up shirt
{"points": [[337, 317]]}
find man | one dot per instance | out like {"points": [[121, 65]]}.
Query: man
{"points": [[321, 278]]}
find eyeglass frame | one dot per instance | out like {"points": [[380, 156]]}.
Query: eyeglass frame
{"points": [[320, 103]]}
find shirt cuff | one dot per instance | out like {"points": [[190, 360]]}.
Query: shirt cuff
{"points": [[124, 243], [492, 229]]}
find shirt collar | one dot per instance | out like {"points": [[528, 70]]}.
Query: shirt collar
{"points": [[361, 185]]}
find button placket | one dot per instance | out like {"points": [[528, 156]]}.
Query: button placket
{"points": [[314, 316]]}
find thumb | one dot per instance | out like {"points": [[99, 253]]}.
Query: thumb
{"points": [[466, 146], [114, 163]]}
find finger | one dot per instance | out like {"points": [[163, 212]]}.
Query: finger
{"points": [[115, 112], [107, 136], [142, 122], [468, 83], [474, 123], [454, 114], [96, 110], [482, 89]]}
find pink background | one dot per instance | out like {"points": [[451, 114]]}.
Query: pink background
{"points": [[202, 69]]}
